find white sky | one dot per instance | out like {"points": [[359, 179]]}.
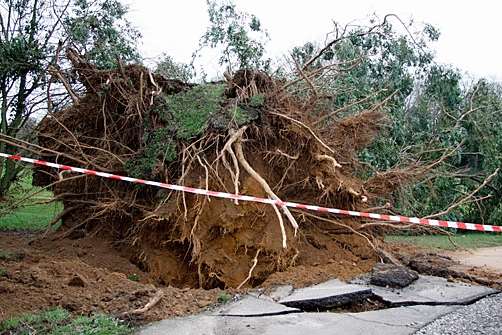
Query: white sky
{"points": [[470, 30]]}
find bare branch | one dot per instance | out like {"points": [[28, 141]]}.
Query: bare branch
{"points": [[466, 198]]}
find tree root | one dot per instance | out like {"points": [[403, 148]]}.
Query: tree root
{"points": [[207, 174], [329, 158], [281, 224], [153, 301], [255, 262], [227, 148], [301, 124], [261, 180]]}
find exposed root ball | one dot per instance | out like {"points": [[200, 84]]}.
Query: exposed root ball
{"points": [[243, 136]]}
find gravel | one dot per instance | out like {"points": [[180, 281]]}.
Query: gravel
{"points": [[482, 317]]}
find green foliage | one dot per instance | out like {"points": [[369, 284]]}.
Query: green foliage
{"points": [[31, 33], [224, 298], [100, 30], [19, 56], [257, 101], [3, 272], [240, 115], [239, 36], [170, 69], [454, 117], [483, 147], [429, 112], [159, 145], [60, 322], [133, 277]]}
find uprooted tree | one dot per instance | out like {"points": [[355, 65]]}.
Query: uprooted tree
{"points": [[298, 136], [246, 136], [252, 134]]}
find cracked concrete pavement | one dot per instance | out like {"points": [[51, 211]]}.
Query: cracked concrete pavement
{"points": [[407, 310], [401, 320]]}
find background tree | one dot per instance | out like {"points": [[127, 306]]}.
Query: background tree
{"points": [[100, 32], [238, 36], [169, 68], [33, 34], [429, 113]]}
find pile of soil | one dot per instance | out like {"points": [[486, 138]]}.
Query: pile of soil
{"points": [[247, 135], [84, 277]]}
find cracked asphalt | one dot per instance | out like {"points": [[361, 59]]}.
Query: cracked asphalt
{"points": [[430, 305], [482, 317]]}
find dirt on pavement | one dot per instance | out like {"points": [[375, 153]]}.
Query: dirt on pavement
{"points": [[445, 264], [487, 258], [90, 275]]}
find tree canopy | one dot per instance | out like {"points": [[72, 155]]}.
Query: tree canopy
{"points": [[34, 35]]}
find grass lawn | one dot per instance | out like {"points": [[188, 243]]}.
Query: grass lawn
{"points": [[465, 241], [60, 322], [28, 214], [30, 217]]}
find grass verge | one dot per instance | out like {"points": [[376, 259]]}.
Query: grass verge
{"points": [[31, 217], [59, 321], [464, 241]]}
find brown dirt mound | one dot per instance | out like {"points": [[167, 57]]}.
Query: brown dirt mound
{"points": [[83, 276], [257, 140]]}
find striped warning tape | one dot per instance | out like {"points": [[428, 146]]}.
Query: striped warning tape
{"points": [[375, 216]]}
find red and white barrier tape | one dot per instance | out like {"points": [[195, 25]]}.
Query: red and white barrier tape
{"points": [[375, 216]]}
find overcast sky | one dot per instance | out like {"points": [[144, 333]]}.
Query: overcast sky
{"points": [[470, 30]]}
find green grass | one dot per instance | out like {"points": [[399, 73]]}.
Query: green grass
{"points": [[19, 214], [133, 277], [30, 217], [189, 111], [464, 241], [60, 322]]}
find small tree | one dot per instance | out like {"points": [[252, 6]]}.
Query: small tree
{"points": [[33, 32], [171, 69], [99, 31], [238, 35]]}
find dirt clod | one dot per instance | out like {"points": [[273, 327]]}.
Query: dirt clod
{"points": [[389, 275], [78, 281]]}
